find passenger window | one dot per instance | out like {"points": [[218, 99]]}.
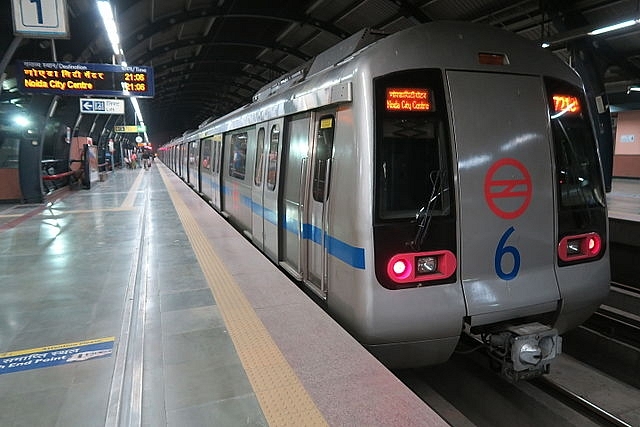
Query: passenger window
{"points": [[257, 176], [272, 168], [238, 155], [323, 152], [205, 156]]}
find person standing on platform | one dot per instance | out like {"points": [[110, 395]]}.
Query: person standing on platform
{"points": [[146, 160]]}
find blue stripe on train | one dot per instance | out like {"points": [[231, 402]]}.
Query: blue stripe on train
{"points": [[351, 255]]}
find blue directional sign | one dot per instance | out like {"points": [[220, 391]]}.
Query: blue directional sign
{"points": [[60, 354], [101, 106], [40, 18]]}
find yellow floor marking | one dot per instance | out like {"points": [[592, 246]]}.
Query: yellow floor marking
{"points": [[126, 205], [133, 192], [56, 347], [281, 395]]}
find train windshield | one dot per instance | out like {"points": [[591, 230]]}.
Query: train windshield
{"points": [[411, 146], [578, 174]]}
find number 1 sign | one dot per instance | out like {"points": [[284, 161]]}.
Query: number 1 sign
{"points": [[40, 18]]}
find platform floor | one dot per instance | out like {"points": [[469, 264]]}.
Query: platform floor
{"points": [[133, 303], [624, 199]]}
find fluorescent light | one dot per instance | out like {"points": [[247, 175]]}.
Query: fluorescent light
{"points": [[613, 27], [110, 25], [21, 120], [545, 45]]}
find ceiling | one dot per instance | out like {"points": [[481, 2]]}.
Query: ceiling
{"points": [[210, 57]]}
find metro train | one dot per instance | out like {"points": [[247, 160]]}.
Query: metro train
{"points": [[436, 183]]}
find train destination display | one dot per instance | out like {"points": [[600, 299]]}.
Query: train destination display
{"points": [[73, 79], [408, 99]]}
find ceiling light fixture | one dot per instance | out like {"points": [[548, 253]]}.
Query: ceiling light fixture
{"points": [[588, 31], [106, 12], [110, 25]]}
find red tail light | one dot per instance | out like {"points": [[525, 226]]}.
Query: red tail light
{"points": [[421, 266], [579, 247]]}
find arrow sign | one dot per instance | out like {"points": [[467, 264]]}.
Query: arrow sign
{"points": [[86, 106]]}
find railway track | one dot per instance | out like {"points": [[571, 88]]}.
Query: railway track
{"points": [[572, 399], [465, 392], [610, 339], [619, 317]]}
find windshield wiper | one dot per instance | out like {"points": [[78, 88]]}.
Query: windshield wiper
{"points": [[424, 215]]}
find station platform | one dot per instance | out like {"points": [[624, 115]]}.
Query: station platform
{"points": [[135, 304], [623, 201]]}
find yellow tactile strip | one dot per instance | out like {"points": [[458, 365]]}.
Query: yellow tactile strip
{"points": [[283, 399]]}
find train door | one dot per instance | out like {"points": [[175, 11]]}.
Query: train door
{"points": [[294, 174], [205, 174], [193, 149], [271, 188], [315, 202], [184, 158], [505, 185], [257, 189], [216, 162]]}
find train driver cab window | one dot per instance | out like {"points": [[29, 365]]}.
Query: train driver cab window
{"points": [[324, 152], [257, 174], [238, 155], [272, 162], [577, 168], [412, 166]]}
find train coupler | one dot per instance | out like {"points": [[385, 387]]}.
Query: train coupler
{"points": [[524, 351]]}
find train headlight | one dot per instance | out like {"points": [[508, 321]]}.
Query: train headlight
{"points": [[421, 266], [573, 247], [426, 265], [579, 247]]}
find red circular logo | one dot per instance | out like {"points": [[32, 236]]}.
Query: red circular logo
{"points": [[508, 178]]}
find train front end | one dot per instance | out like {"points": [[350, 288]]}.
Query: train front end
{"points": [[489, 197]]}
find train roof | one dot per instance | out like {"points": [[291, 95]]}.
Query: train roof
{"points": [[446, 44]]}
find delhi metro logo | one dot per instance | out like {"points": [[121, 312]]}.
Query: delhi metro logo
{"points": [[508, 188]]}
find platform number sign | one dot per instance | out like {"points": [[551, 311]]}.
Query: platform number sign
{"points": [[517, 190], [40, 18]]}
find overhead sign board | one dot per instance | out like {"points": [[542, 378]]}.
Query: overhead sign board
{"points": [[129, 129], [101, 106], [40, 18], [75, 79]]}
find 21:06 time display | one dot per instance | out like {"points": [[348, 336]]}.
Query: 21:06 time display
{"points": [[134, 87], [135, 77], [73, 79]]}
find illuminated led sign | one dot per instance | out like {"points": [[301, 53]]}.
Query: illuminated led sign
{"points": [[408, 99], [73, 79], [565, 104]]}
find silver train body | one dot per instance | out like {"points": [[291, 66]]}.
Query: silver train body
{"points": [[440, 181]]}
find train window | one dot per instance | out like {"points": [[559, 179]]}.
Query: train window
{"points": [[238, 155], [412, 170], [323, 152], [257, 174], [205, 156], [272, 165], [577, 166]]}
